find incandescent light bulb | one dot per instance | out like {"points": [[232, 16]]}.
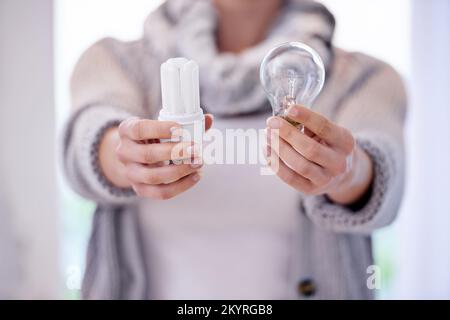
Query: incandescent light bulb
{"points": [[292, 73]]}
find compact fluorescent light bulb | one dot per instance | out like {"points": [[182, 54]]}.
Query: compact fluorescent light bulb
{"points": [[292, 73], [181, 97]]}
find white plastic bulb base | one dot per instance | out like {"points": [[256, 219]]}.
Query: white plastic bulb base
{"points": [[193, 125], [181, 98]]}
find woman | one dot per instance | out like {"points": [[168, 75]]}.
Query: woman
{"points": [[304, 233]]}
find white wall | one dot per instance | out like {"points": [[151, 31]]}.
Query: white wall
{"points": [[380, 28], [424, 248], [27, 136], [80, 23]]}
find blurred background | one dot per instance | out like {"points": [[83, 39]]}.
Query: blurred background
{"points": [[44, 227]]}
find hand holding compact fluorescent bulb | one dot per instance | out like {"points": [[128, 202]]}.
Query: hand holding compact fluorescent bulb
{"points": [[139, 152]]}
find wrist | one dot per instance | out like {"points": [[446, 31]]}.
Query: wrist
{"points": [[357, 182], [111, 167]]}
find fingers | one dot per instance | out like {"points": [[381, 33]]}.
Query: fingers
{"points": [[130, 151], [322, 127], [145, 157], [290, 177], [142, 129], [167, 191], [306, 146], [299, 164], [140, 174]]}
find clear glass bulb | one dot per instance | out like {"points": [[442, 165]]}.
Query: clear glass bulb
{"points": [[292, 73]]}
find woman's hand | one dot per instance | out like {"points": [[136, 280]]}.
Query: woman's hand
{"points": [[322, 160], [131, 156]]}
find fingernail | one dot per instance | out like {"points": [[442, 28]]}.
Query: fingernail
{"points": [[196, 165], [176, 132], [274, 123], [293, 111], [196, 177]]}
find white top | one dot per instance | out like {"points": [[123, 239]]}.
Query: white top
{"points": [[232, 236]]}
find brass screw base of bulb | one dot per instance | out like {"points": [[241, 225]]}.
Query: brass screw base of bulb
{"points": [[292, 122], [287, 103]]}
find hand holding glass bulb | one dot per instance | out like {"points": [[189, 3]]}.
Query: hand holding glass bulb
{"points": [[323, 158]]}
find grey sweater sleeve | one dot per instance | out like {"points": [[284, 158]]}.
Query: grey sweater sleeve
{"points": [[375, 114], [82, 136]]}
